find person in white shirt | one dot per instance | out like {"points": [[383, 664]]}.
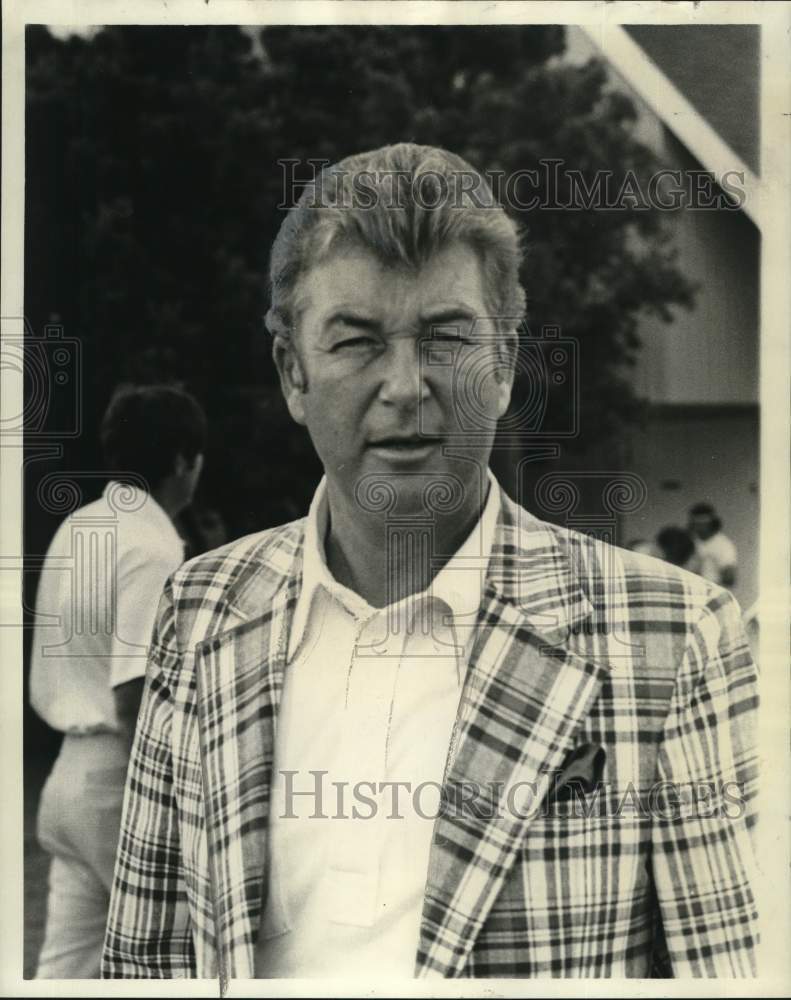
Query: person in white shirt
{"points": [[97, 598], [718, 557]]}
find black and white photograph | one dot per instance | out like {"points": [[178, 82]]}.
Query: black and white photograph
{"points": [[395, 511]]}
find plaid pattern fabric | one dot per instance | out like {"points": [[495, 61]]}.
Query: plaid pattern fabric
{"points": [[577, 643]]}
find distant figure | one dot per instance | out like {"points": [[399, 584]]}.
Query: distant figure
{"points": [[98, 595], [677, 546], [717, 552], [644, 547]]}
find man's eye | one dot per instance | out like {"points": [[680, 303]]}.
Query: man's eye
{"points": [[354, 343]]}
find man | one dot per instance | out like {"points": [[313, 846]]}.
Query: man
{"points": [[96, 602], [717, 552], [363, 732]]}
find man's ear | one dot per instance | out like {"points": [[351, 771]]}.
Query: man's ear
{"points": [[292, 376]]}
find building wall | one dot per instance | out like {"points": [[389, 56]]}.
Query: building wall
{"points": [[718, 69], [699, 373], [708, 354]]}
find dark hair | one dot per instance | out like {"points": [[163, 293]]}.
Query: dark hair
{"points": [[706, 510], [146, 427], [676, 545]]}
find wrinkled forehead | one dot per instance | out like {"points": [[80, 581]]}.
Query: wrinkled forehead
{"points": [[349, 270]]}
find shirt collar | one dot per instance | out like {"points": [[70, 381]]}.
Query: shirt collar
{"points": [[459, 584]]}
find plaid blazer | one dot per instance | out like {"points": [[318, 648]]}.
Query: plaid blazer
{"points": [[579, 644]]}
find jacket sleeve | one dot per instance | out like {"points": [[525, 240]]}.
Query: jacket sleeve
{"points": [[148, 930], [703, 858]]}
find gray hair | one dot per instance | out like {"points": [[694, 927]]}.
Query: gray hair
{"points": [[404, 202]]}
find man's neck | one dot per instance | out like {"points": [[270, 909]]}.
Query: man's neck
{"points": [[385, 561]]}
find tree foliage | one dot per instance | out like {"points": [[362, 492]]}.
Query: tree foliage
{"points": [[153, 187]]}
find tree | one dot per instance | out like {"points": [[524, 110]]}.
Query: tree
{"points": [[153, 187]]}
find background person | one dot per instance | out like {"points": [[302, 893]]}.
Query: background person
{"points": [[718, 557], [97, 598]]}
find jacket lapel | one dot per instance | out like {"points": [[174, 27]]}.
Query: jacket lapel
{"points": [[239, 676], [525, 695]]}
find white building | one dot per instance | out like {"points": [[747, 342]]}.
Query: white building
{"points": [[697, 91]]}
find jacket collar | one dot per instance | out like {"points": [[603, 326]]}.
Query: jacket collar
{"points": [[273, 566], [533, 567]]}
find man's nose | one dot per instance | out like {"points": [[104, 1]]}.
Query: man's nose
{"points": [[403, 384]]}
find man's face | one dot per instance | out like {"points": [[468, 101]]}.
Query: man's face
{"points": [[390, 364], [701, 526]]}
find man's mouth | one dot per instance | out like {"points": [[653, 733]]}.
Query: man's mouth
{"points": [[405, 443]]}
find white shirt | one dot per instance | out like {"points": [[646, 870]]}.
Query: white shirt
{"points": [[97, 599], [370, 696], [715, 554]]}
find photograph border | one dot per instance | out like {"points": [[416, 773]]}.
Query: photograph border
{"points": [[770, 207]]}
